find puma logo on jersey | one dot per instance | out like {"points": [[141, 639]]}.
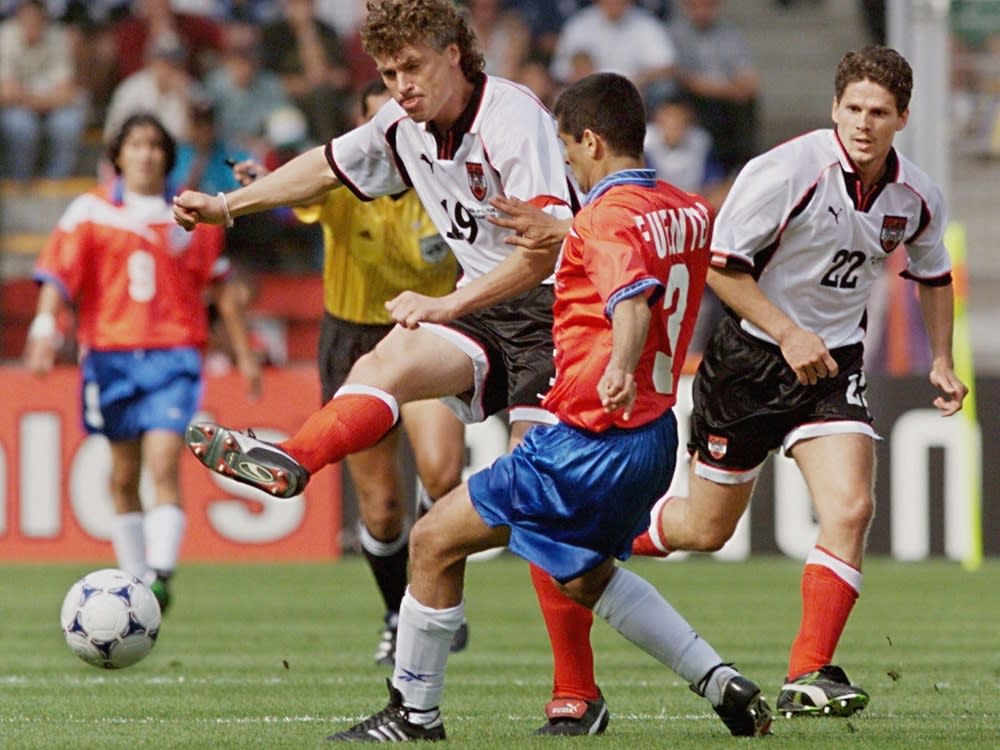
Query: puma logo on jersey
{"points": [[430, 164], [836, 213]]}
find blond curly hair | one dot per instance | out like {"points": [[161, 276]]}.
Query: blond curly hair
{"points": [[392, 25]]}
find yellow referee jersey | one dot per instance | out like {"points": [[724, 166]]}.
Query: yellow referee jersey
{"points": [[376, 249]]}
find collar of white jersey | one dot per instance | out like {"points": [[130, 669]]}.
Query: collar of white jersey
{"points": [[642, 177], [893, 164]]}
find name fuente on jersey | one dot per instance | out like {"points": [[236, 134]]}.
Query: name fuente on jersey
{"points": [[456, 173], [832, 238]]}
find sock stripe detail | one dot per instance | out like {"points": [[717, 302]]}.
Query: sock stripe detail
{"points": [[847, 573], [366, 390], [378, 548], [654, 526]]}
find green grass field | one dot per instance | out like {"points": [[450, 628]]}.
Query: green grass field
{"points": [[277, 656]]}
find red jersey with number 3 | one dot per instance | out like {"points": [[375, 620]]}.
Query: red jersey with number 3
{"points": [[135, 276], [636, 235]]}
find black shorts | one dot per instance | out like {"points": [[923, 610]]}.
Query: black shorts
{"points": [[747, 401], [341, 344], [511, 347]]}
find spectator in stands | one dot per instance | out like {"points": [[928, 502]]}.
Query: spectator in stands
{"points": [[163, 86], [504, 37], [619, 37], [308, 56], [535, 74], [545, 20], [244, 94], [247, 11], [359, 63], [204, 160], [39, 99], [715, 69], [138, 288], [682, 152], [150, 20]]}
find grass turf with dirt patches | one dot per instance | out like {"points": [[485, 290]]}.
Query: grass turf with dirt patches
{"points": [[279, 656]]}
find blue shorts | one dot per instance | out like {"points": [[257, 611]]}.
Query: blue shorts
{"points": [[573, 498], [127, 393]]}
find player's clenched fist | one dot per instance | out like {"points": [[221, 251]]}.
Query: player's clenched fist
{"points": [[192, 207]]}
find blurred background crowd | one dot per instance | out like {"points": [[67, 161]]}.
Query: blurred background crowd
{"points": [[266, 79]]}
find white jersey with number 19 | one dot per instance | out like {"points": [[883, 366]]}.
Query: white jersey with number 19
{"points": [[503, 144]]}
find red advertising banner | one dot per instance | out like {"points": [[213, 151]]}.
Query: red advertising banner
{"points": [[54, 500]]}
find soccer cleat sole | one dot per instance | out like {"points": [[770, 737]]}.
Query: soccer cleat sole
{"points": [[744, 710], [762, 716], [219, 451], [842, 706]]}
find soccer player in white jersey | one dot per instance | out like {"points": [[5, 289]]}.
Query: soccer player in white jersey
{"points": [[460, 139], [797, 246]]}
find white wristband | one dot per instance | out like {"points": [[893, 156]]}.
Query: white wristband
{"points": [[43, 326], [225, 210]]}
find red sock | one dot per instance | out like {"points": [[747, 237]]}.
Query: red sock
{"points": [[827, 600], [569, 625], [347, 424], [644, 544]]}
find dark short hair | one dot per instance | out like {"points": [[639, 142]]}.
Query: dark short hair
{"points": [[375, 87], [608, 104], [143, 119], [881, 65]]}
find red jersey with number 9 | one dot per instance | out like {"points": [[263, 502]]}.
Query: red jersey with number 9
{"points": [[637, 235], [135, 276]]}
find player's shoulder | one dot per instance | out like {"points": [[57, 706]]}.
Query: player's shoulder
{"points": [[388, 115], [799, 161], [916, 179], [84, 208], [504, 99]]}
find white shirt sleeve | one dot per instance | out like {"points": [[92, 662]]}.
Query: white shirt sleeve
{"points": [[363, 159]]}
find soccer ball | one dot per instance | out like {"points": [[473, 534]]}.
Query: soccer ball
{"points": [[110, 619]]}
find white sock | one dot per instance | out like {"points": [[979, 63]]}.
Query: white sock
{"points": [[129, 544], [633, 607], [164, 530], [423, 641], [373, 546]]}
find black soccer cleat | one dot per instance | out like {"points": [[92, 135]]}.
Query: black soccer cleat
{"points": [[385, 652], [241, 456], [825, 692], [743, 709], [460, 641], [575, 717], [391, 724]]}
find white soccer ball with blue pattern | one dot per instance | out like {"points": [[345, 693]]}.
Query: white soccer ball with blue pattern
{"points": [[110, 619]]}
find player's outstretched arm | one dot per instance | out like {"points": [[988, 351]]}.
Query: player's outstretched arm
{"points": [[300, 180]]}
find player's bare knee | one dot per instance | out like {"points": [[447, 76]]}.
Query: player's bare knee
{"points": [[441, 480], [856, 514], [426, 544]]}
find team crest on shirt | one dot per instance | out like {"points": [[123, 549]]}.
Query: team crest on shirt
{"points": [[893, 231], [477, 180], [717, 447]]}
